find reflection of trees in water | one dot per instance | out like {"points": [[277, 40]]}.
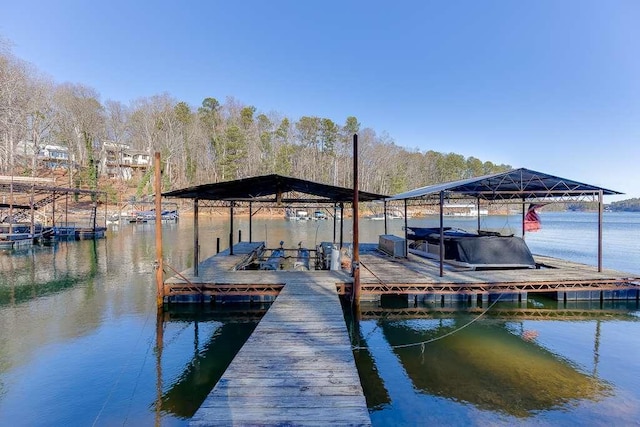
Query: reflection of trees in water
{"points": [[187, 392], [486, 365], [37, 272]]}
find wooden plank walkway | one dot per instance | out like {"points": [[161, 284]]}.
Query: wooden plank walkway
{"points": [[297, 368]]}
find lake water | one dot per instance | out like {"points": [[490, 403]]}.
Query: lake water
{"points": [[80, 339]]}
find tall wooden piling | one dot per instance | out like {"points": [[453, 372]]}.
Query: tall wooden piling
{"points": [[158, 200], [356, 240]]}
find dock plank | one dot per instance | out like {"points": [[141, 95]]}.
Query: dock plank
{"points": [[297, 368]]}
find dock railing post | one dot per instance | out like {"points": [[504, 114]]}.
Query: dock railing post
{"points": [[158, 229]]}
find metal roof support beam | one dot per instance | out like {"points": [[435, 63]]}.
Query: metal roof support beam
{"points": [[600, 209], [406, 242], [441, 233], [251, 222], [231, 228], [196, 242]]}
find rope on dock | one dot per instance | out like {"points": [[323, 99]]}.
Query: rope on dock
{"points": [[191, 285]]}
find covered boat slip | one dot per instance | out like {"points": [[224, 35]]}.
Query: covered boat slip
{"points": [[518, 186]]}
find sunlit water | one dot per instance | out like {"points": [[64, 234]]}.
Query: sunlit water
{"points": [[80, 343]]}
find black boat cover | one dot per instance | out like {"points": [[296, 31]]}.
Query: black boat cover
{"points": [[477, 249]]}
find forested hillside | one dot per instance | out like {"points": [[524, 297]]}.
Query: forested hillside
{"points": [[630, 205], [211, 142]]}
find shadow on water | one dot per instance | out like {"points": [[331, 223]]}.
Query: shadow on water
{"points": [[27, 274], [186, 393], [486, 364]]}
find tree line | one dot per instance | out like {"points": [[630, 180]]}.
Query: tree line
{"points": [[215, 141]]}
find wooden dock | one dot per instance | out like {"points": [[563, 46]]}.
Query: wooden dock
{"points": [[383, 274], [297, 368]]}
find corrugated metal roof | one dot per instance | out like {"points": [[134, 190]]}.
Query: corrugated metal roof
{"points": [[260, 187], [514, 184]]}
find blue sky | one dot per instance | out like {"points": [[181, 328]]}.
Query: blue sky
{"points": [[551, 85]]}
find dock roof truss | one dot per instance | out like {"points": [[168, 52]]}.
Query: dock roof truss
{"points": [[272, 188], [514, 185]]}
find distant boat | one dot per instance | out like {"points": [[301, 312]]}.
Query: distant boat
{"points": [[463, 209], [319, 215], [150, 216], [390, 215]]}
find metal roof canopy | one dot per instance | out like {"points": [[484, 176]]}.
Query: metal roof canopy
{"points": [[259, 188], [514, 186], [517, 185], [274, 188]]}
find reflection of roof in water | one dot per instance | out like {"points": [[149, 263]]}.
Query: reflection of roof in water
{"points": [[491, 368]]}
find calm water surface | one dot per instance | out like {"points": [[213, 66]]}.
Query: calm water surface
{"points": [[80, 342]]}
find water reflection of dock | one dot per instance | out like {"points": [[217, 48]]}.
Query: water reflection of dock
{"points": [[487, 365]]}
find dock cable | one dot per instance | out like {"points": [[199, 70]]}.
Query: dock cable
{"points": [[423, 343]]}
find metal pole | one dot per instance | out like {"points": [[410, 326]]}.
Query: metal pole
{"points": [[341, 224], [250, 222], [478, 212], [406, 224], [523, 216], [158, 200], [196, 242], [231, 230], [335, 212], [441, 233], [53, 210], [600, 209], [385, 216], [356, 240]]}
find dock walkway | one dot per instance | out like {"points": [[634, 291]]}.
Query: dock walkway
{"points": [[297, 368]]}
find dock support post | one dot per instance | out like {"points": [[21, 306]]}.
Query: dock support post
{"points": [[441, 233], [196, 242], [231, 230], [341, 224], [158, 229], [53, 210], [335, 212], [251, 222], [385, 216], [239, 236], [600, 208], [356, 240], [406, 242], [217, 245]]}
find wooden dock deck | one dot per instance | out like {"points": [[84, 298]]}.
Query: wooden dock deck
{"points": [[297, 368], [383, 274]]}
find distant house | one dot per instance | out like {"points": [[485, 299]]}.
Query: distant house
{"points": [[120, 161]]}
